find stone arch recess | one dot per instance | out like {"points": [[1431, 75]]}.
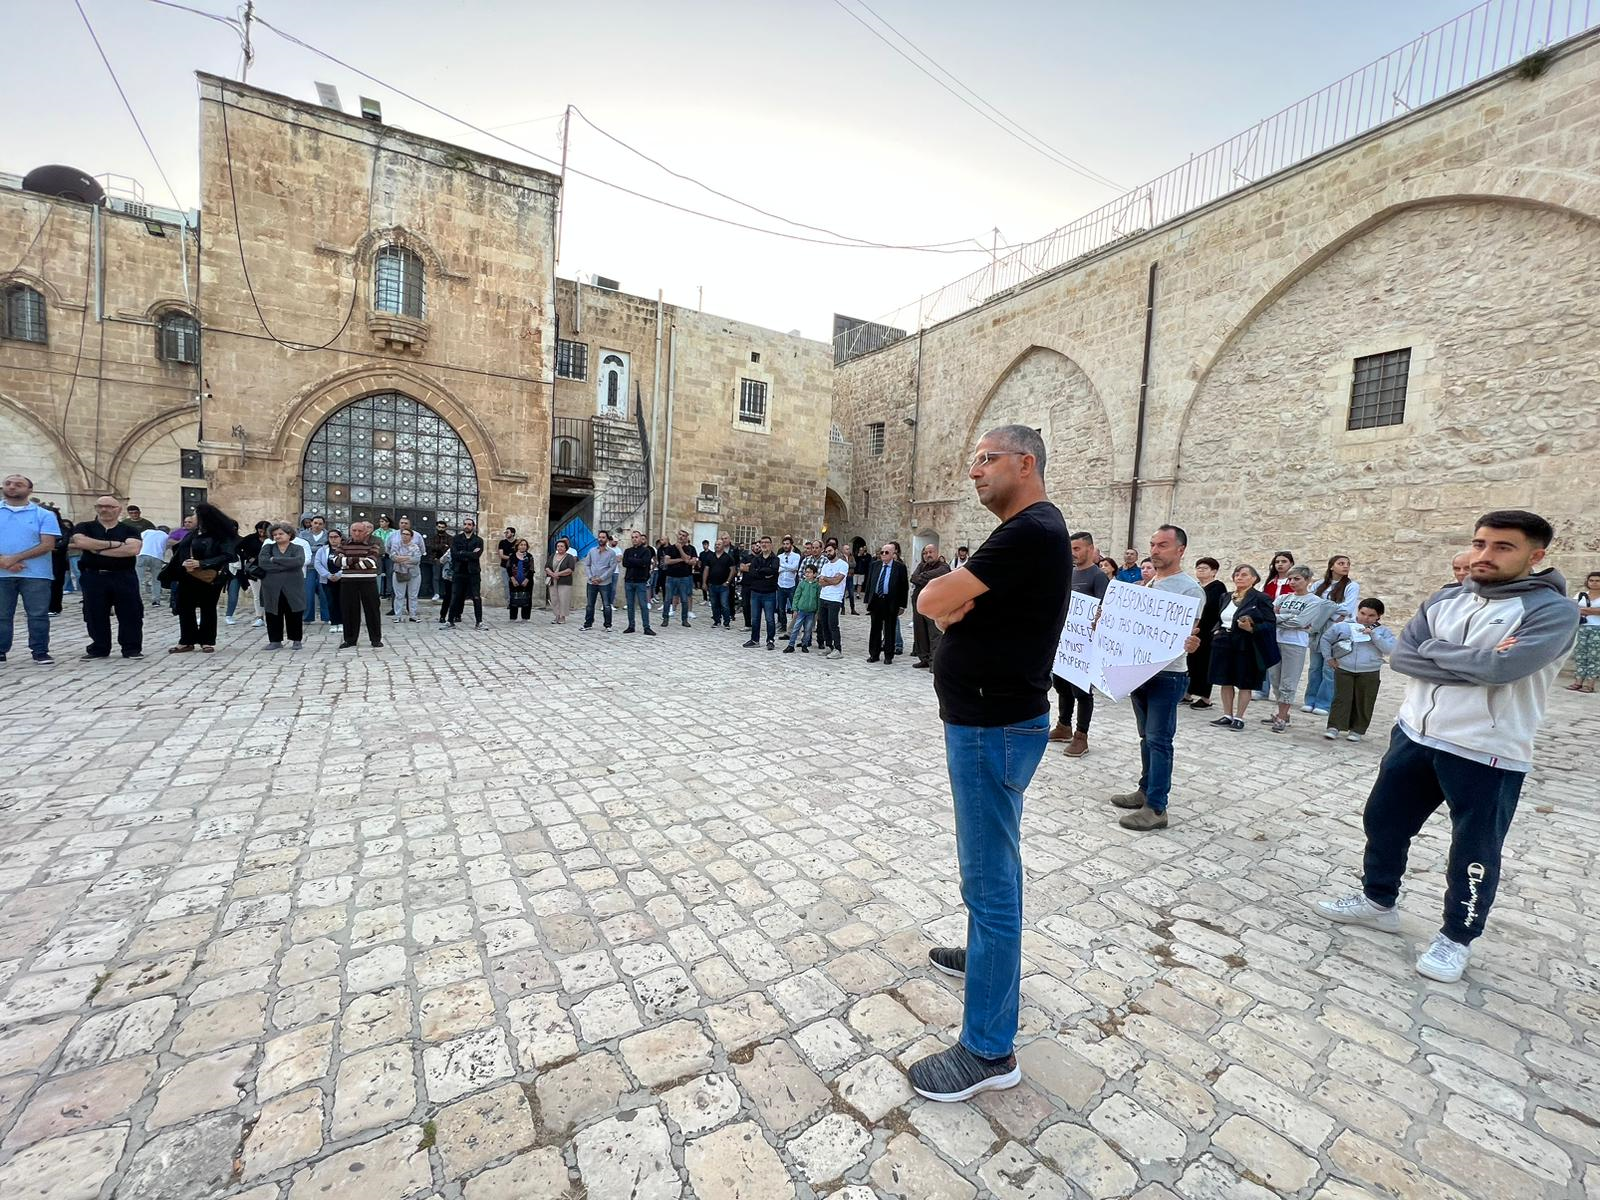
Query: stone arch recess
{"points": [[74, 473], [141, 438], [316, 403], [1218, 347]]}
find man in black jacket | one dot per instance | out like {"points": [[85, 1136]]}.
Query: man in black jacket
{"points": [[437, 548], [637, 562], [886, 600], [466, 565], [761, 584]]}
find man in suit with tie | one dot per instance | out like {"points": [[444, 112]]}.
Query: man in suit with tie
{"points": [[886, 599]]}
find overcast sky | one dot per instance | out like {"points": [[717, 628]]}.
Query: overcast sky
{"points": [[792, 106]]}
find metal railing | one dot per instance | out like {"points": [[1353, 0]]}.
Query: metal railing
{"points": [[1482, 41], [572, 448]]}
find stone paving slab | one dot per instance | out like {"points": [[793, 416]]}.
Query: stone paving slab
{"points": [[538, 912]]}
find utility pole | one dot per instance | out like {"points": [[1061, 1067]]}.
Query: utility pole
{"points": [[561, 199], [249, 50]]}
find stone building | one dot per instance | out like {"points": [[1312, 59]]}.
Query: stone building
{"points": [[1355, 355], [100, 349], [736, 417], [369, 325]]}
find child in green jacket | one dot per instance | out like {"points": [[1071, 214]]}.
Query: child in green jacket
{"points": [[803, 616]]}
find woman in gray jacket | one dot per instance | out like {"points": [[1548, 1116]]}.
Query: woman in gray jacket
{"points": [[282, 598]]}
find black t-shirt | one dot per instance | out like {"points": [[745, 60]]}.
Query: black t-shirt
{"points": [[992, 667], [507, 548], [636, 564], [92, 560], [718, 567], [678, 561]]}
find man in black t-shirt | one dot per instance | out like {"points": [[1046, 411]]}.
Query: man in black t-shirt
{"points": [[677, 561], [1001, 617], [718, 575], [109, 547], [638, 560]]}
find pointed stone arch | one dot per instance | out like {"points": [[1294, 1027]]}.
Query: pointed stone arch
{"points": [[37, 451], [141, 438]]}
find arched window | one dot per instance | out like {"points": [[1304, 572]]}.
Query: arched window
{"points": [[24, 315], [566, 456], [178, 337], [612, 398], [397, 285]]}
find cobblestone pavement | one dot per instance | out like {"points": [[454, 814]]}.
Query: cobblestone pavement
{"points": [[538, 912]]}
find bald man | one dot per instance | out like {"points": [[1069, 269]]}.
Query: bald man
{"points": [[1460, 565], [107, 569]]}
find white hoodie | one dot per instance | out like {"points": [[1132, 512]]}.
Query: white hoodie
{"points": [[1464, 696]]}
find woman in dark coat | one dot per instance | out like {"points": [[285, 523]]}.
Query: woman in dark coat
{"points": [[1244, 646], [200, 575], [281, 588], [1205, 570]]}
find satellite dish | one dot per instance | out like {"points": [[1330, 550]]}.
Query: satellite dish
{"points": [[67, 182], [328, 96]]}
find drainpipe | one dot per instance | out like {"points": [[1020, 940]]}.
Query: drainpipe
{"points": [[916, 427], [655, 405], [1144, 391], [666, 453]]}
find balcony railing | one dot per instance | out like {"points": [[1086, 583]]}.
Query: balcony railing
{"points": [[572, 449]]}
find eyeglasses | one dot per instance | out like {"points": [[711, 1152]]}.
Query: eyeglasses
{"points": [[885, 553], [984, 457]]}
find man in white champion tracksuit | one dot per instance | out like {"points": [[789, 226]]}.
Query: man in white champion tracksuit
{"points": [[1481, 655]]}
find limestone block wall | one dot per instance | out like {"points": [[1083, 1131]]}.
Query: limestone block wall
{"points": [[95, 409], [1467, 232], [313, 194]]}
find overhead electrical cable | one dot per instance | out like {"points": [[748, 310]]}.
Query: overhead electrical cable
{"points": [[1012, 129]]}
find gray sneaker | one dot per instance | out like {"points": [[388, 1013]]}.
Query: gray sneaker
{"points": [[1358, 910], [1133, 799], [959, 1074], [1144, 820]]}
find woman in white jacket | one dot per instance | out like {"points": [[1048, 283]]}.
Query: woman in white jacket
{"points": [[406, 549], [1345, 593]]}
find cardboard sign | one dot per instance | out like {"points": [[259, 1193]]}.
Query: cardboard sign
{"points": [[1075, 661], [1140, 631]]}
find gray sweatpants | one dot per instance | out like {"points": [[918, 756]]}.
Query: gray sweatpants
{"points": [[1284, 679]]}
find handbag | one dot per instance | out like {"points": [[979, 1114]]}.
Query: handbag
{"points": [[202, 574], [402, 572]]}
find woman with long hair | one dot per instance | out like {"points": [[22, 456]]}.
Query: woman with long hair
{"points": [[1345, 595], [200, 575], [1277, 583], [1244, 647]]}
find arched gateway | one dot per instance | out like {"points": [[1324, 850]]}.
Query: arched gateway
{"points": [[388, 454]]}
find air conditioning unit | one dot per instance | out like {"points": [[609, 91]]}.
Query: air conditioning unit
{"points": [[130, 208], [600, 281]]}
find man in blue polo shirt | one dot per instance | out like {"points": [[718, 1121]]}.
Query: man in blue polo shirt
{"points": [[28, 536]]}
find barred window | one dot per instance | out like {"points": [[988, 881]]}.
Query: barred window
{"points": [[1378, 389], [752, 402], [875, 437], [178, 338], [24, 315], [572, 360], [398, 282], [191, 464], [743, 535]]}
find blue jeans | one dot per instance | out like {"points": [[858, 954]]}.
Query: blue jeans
{"points": [[603, 592], [316, 590], [680, 590], [721, 605], [1319, 682], [785, 603], [35, 595], [70, 584], [637, 593], [763, 602], [990, 769], [800, 627], [1155, 712]]}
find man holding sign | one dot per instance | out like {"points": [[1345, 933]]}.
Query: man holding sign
{"points": [[1155, 701], [1001, 617]]}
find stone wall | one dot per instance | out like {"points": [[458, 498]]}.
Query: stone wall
{"points": [[317, 194], [95, 409], [1466, 231]]}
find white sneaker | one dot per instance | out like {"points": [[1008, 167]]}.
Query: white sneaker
{"points": [[1358, 910], [1352, 737], [229, 621], [1444, 960], [335, 628], [1330, 733], [1307, 708], [257, 623]]}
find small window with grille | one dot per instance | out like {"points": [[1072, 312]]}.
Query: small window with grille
{"points": [[752, 402], [191, 465], [24, 315], [708, 491], [178, 338], [398, 283], [875, 437], [743, 535], [572, 360], [1378, 389]]}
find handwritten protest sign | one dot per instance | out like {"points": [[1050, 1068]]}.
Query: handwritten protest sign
{"points": [[1140, 631], [1075, 653]]}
